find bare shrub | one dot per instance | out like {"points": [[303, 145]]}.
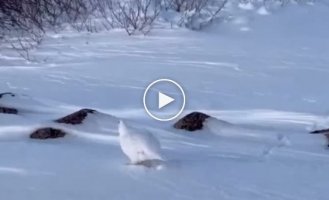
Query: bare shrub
{"points": [[132, 15], [19, 27], [24, 22], [178, 5], [196, 14], [269, 3]]}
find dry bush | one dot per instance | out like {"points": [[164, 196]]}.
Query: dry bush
{"points": [[196, 14], [276, 2], [24, 22], [131, 15], [186, 5]]}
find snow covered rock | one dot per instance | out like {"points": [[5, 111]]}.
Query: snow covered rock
{"points": [[322, 131], [25, 103], [325, 132], [76, 117], [192, 122], [6, 110], [141, 147], [199, 121], [216, 126], [7, 93], [47, 133]]}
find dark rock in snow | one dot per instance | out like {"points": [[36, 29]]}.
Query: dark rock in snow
{"points": [[6, 93], [47, 133], [192, 122], [6, 110], [322, 131], [76, 117]]}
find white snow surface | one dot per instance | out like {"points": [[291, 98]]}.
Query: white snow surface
{"points": [[246, 6], [270, 83], [263, 11]]}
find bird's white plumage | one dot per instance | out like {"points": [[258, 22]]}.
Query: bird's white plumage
{"points": [[137, 145]]}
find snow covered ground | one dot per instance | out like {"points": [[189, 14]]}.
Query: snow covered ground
{"points": [[266, 74]]}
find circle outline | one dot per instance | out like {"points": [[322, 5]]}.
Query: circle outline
{"points": [[149, 87]]}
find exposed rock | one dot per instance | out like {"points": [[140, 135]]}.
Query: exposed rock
{"points": [[76, 117], [7, 93], [6, 110], [322, 131], [192, 122], [47, 133]]}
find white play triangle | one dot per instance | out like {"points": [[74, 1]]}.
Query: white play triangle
{"points": [[164, 100]]}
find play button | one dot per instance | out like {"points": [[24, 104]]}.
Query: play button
{"points": [[164, 100]]}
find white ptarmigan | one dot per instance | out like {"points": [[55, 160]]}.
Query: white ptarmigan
{"points": [[138, 146]]}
